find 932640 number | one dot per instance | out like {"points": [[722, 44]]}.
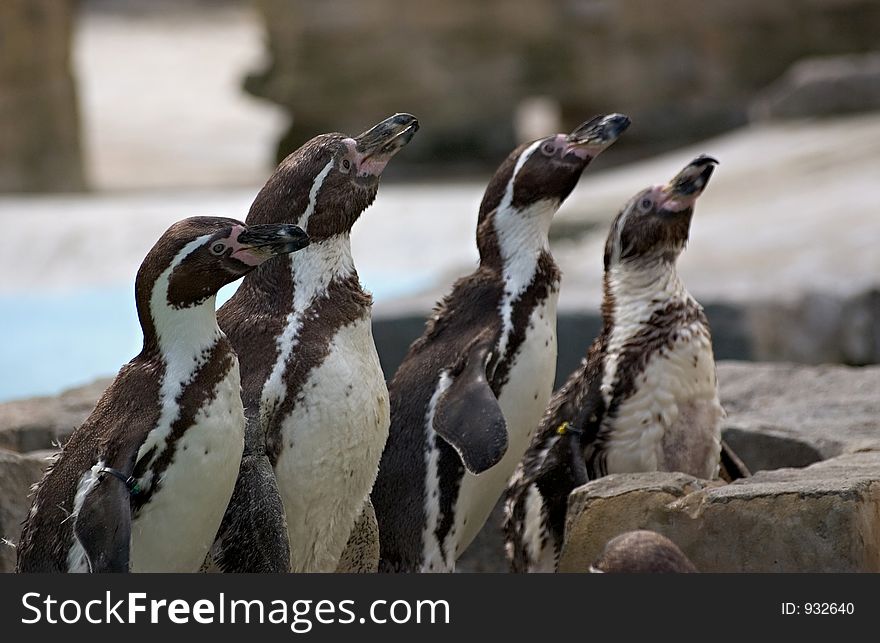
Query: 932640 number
{"points": [[818, 608], [829, 608]]}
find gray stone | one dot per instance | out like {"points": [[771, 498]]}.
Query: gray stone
{"points": [[816, 327], [43, 422], [824, 518], [17, 474], [787, 415], [860, 329], [822, 86]]}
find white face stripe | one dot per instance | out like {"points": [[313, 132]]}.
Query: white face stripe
{"points": [[312, 269], [522, 236], [508, 192], [303, 221], [616, 243], [184, 336], [159, 294]]}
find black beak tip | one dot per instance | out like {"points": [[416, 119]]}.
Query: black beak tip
{"points": [[298, 236], [388, 135], [602, 128], [692, 180], [399, 123], [618, 123], [704, 159], [277, 238], [406, 120], [291, 245]]}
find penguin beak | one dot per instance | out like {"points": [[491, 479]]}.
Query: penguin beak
{"points": [[598, 133], [682, 191], [261, 242], [381, 142]]}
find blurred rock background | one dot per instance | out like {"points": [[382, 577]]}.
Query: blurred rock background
{"points": [[119, 117], [40, 147], [683, 69], [81, 78]]}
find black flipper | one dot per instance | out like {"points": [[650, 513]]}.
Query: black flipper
{"points": [[586, 427], [732, 468], [467, 414], [564, 468], [103, 526], [253, 534], [588, 419]]}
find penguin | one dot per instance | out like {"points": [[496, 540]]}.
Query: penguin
{"points": [[642, 552], [143, 483], [645, 398], [314, 393], [472, 388], [361, 553]]}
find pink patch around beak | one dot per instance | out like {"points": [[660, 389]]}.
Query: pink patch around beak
{"points": [[676, 203], [243, 253], [372, 166], [581, 150]]}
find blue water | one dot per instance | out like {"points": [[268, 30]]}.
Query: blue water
{"points": [[52, 341]]}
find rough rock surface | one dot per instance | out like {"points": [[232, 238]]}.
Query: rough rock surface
{"points": [[785, 415], [815, 328], [17, 474], [823, 518], [39, 126], [43, 422]]}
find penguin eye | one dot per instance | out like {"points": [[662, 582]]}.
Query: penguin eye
{"points": [[548, 148], [346, 165], [218, 248], [645, 204]]}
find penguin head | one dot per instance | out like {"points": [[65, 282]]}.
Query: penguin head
{"points": [[326, 184], [642, 552], [196, 257], [537, 177], [654, 224], [554, 164]]}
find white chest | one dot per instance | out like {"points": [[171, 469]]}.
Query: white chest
{"points": [[174, 531], [672, 420], [332, 443], [522, 400]]}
